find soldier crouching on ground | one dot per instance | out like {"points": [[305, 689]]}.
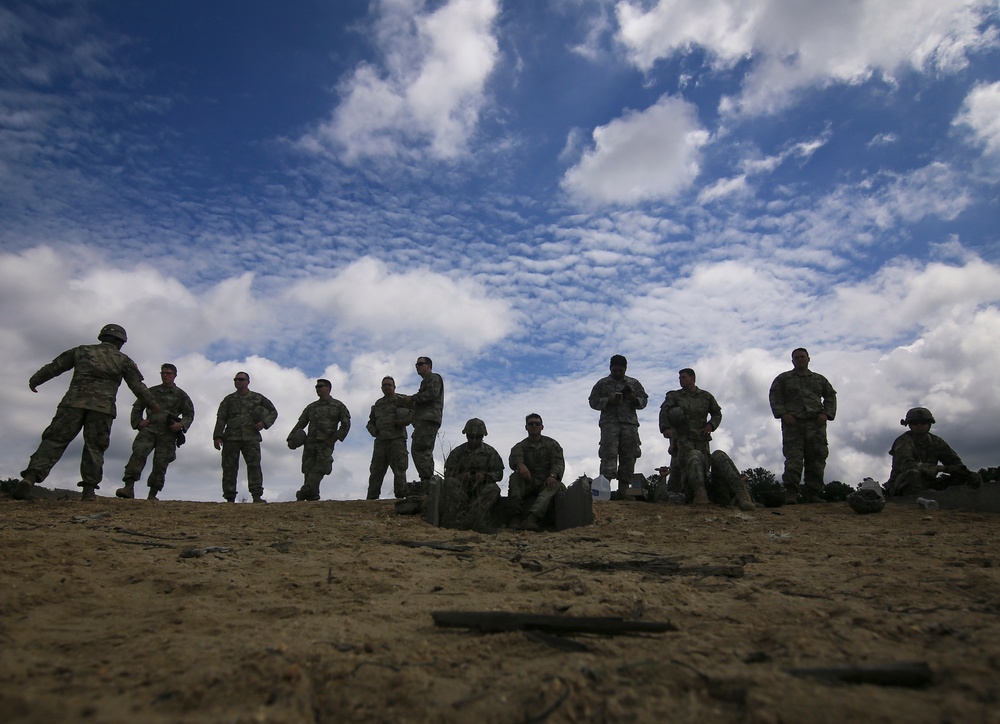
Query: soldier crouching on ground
{"points": [[328, 421], [538, 465], [387, 424], [160, 433], [88, 405], [921, 460], [471, 474], [241, 417]]}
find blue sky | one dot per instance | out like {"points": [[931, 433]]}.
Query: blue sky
{"points": [[518, 190]]}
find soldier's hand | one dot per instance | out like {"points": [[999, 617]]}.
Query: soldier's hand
{"points": [[32, 388], [259, 426], [789, 419], [144, 423], [822, 418], [551, 482], [218, 443], [667, 433], [155, 407], [523, 471], [174, 427], [707, 430]]}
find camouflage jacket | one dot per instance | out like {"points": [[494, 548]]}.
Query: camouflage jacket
{"points": [[238, 414], [98, 371], [464, 460], [328, 421], [921, 452], [543, 457], [174, 403], [803, 394], [604, 397], [382, 419], [428, 403], [699, 407]]}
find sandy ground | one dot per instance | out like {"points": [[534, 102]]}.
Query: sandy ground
{"points": [[319, 612]]}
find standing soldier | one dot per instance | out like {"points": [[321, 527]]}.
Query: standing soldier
{"points": [[329, 422], [804, 401], [387, 424], [88, 405], [160, 433], [428, 409], [618, 397], [241, 417]]}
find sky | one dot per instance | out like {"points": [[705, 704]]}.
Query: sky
{"points": [[518, 190]]}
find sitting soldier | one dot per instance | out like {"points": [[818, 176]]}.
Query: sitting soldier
{"points": [[538, 466], [921, 460], [471, 473]]}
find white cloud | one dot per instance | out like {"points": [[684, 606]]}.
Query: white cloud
{"points": [[793, 44], [981, 113], [431, 88], [722, 188], [649, 154]]}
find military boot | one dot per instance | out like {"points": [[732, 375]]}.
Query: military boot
{"points": [[700, 494], [22, 491], [87, 492], [259, 499], [743, 497], [152, 494], [791, 495], [531, 522], [127, 490]]}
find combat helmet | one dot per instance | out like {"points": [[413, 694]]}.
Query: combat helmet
{"points": [[114, 331], [916, 415], [676, 418], [475, 426], [866, 501]]}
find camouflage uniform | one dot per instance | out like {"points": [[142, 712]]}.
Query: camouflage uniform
{"points": [[620, 445], [543, 457], [157, 437], [235, 425], [691, 457], [390, 447], [328, 421], [460, 469], [89, 404], [914, 465], [804, 394], [428, 408]]}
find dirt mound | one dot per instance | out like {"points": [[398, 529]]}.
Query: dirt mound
{"points": [[127, 610]]}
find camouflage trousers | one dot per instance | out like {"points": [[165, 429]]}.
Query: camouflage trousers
{"points": [[317, 463], [690, 463], [520, 492], [388, 454], [231, 451], [915, 481], [618, 450], [422, 448], [804, 446], [164, 449], [466, 504], [725, 481], [65, 426]]}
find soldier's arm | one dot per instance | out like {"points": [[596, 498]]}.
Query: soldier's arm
{"points": [[558, 466], [133, 378], [186, 412], [516, 457], [430, 389], [598, 399], [221, 418], [372, 426], [829, 400], [345, 424], [494, 468], [715, 413], [776, 398], [272, 413], [641, 398], [135, 417], [62, 363]]}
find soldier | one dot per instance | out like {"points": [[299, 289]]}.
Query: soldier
{"points": [[688, 417], [241, 417], [474, 468], [328, 421], [160, 433], [804, 401], [387, 424], [918, 457], [428, 408], [538, 465], [618, 397], [89, 404]]}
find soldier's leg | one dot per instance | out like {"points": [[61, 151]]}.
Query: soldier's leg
{"points": [[628, 452], [142, 446], [608, 451], [255, 476], [516, 491], [96, 439], [230, 467], [422, 449], [398, 461], [484, 505], [727, 479], [695, 476], [793, 448], [65, 426], [320, 465], [911, 481], [164, 453], [376, 471], [543, 503], [815, 452]]}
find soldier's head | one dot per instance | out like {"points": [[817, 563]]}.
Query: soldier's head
{"points": [[474, 431], [388, 386], [242, 382], [918, 419], [323, 388], [168, 373], [800, 358], [424, 366], [618, 366], [687, 378], [533, 424], [113, 334]]}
